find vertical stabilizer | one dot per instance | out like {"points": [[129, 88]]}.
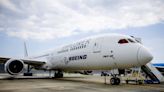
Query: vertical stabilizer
{"points": [[25, 50]]}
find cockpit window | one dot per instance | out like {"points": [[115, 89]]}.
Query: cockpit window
{"points": [[122, 41], [130, 40]]}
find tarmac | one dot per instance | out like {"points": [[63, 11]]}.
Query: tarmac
{"points": [[71, 83]]}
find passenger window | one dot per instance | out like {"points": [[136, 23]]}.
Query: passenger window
{"points": [[122, 41]]}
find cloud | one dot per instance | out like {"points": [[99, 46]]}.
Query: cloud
{"points": [[7, 4], [39, 35], [157, 50], [51, 19]]}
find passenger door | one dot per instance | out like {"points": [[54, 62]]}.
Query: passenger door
{"points": [[97, 46]]}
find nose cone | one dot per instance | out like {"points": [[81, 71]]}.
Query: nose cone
{"points": [[144, 56]]}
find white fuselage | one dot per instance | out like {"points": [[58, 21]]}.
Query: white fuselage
{"points": [[98, 53]]}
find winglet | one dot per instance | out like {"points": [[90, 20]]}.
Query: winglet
{"points": [[25, 50]]}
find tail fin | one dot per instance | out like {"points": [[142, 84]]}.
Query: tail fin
{"points": [[25, 50]]}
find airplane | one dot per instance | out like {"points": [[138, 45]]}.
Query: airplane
{"points": [[103, 52]]}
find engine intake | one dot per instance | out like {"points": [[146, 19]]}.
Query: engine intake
{"points": [[14, 66]]}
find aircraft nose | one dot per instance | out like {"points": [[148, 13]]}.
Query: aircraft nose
{"points": [[144, 56]]}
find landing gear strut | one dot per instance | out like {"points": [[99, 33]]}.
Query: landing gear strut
{"points": [[58, 74], [28, 73]]}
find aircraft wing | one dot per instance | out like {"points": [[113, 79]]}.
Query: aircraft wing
{"points": [[26, 61]]}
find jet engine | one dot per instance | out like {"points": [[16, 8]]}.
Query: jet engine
{"points": [[14, 66]]}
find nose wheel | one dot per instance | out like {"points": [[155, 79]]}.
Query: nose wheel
{"points": [[115, 81]]}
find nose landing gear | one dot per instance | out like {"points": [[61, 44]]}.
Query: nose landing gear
{"points": [[115, 81]]}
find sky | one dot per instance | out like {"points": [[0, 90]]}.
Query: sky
{"points": [[46, 24]]}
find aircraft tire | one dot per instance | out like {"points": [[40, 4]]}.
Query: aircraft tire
{"points": [[114, 81], [117, 81]]}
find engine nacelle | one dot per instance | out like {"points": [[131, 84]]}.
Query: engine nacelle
{"points": [[14, 66]]}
